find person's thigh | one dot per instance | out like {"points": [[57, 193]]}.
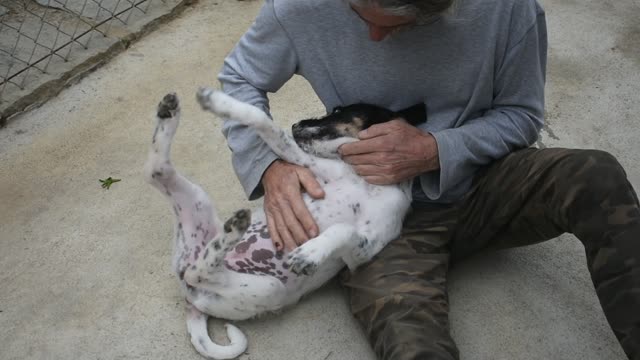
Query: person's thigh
{"points": [[518, 200]]}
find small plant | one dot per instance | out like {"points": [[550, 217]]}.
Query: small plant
{"points": [[106, 183]]}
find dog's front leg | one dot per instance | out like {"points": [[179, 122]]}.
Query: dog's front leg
{"points": [[278, 140]]}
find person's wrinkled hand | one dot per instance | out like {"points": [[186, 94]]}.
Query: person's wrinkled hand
{"points": [[289, 221], [391, 152]]}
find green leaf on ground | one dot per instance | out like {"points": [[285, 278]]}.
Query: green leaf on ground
{"points": [[106, 183]]}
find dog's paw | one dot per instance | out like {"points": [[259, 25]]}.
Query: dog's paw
{"points": [[239, 222], [304, 260], [168, 106], [204, 98], [193, 276], [215, 101]]}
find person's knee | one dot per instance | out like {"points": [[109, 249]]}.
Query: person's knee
{"points": [[595, 194], [597, 168], [591, 176]]}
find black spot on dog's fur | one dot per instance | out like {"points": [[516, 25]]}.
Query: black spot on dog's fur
{"points": [[243, 247], [261, 255], [355, 208], [155, 133], [264, 233]]}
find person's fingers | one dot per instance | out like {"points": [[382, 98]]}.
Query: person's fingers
{"points": [[371, 170], [363, 159], [283, 231], [379, 180], [314, 189], [273, 232], [363, 146], [305, 219], [389, 127], [294, 227], [374, 131]]}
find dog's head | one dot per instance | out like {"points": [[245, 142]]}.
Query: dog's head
{"points": [[323, 136]]}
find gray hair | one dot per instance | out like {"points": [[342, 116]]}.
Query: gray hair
{"points": [[422, 10]]}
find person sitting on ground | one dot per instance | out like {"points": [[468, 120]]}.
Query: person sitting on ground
{"points": [[479, 66]]}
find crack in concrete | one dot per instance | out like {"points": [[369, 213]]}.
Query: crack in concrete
{"points": [[547, 128]]}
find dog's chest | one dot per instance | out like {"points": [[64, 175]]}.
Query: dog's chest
{"points": [[344, 202]]}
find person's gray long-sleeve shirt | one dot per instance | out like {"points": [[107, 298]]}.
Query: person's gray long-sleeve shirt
{"points": [[480, 71]]}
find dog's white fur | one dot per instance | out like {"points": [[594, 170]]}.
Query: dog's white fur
{"points": [[356, 220]]}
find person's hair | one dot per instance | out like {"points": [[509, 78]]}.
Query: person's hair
{"points": [[422, 10]]}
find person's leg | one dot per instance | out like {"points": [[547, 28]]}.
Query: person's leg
{"points": [[400, 297], [534, 195]]}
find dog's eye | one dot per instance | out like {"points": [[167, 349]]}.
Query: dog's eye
{"points": [[337, 110]]}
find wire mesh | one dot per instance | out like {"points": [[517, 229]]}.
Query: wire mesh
{"points": [[34, 34]]}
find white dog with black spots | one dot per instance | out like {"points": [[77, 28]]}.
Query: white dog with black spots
{"points": [[232, 270]]}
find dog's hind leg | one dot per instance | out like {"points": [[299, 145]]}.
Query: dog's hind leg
{"points": [[209, 268], [196, 219], [196, 224], [278, 140]]}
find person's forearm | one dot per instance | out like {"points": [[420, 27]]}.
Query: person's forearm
{"points": [[463, 150]]}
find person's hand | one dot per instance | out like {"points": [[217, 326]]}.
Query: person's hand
{"points": [[391, 152], [290, 222]]}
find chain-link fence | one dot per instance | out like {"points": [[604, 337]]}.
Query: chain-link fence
{"points": [[39, 36]]}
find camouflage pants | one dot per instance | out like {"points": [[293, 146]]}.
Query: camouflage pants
{"points": [[529, 196]]}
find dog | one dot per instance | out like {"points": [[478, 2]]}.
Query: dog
{"points": [[232, 270]]}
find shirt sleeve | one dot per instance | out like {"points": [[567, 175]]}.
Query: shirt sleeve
{"points": [[262, 61], [513, 122]]}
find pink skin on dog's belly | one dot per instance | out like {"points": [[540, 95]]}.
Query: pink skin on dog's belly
{"points": [[255, 254]]}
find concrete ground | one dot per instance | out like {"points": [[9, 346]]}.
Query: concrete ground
{"points": [[85, 272]]}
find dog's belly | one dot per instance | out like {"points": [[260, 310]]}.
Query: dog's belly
{"points": [[256, 255]]}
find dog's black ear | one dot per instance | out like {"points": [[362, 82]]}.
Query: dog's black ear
{"points": [[417, 114]]}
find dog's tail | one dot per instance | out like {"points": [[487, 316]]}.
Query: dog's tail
{"points": [[197, 327]]}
